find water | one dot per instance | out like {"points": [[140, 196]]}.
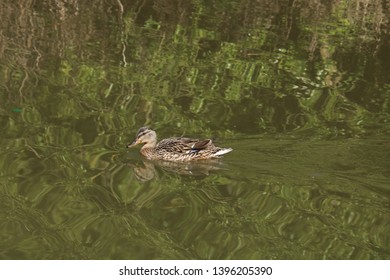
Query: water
{"points": [[299, 92]]}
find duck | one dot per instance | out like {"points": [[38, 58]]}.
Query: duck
{"points": [[176, 148]]}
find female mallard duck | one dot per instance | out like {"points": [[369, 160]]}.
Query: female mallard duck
{"points": [[176, 148]]}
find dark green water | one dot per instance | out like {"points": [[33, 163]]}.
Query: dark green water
{"points": [[299, 89]]}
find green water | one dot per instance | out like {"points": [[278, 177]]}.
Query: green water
{"points": [[300, 90]]}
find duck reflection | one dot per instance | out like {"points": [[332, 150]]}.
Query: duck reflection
{"points": [[145, 170]]}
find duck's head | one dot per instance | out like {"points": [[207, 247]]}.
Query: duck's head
{"points": [[144, 136]]}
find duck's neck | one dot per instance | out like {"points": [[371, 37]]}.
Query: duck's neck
{"points": [[148, 149]]}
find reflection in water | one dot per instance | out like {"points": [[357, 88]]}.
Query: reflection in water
{"points": [[146, 170]]}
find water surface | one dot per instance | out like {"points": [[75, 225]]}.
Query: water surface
{"points": [[299, 91]]}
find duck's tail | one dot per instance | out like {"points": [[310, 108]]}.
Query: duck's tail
{"points": [[223, 151]]}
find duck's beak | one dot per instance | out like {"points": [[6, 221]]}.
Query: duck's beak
{"points": [[134, 143]]}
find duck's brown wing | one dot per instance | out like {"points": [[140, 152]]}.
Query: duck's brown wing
{"points": [[201, 145], [183, 145]]}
